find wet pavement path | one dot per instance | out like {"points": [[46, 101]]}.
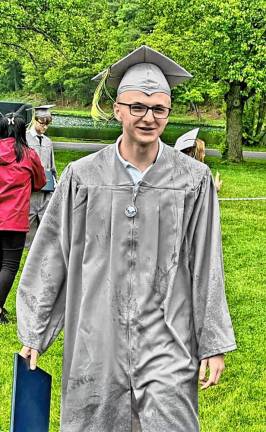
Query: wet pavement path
{"points": [[94, 147]]}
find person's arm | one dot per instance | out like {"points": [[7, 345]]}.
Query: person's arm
{"points": [[218, 182], [38, 172], [212, 322], [42, 287]]}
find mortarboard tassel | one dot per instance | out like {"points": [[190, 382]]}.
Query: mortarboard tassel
{"points": [[97, 112]]}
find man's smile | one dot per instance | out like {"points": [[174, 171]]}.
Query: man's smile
{"points": [[146, 128]]}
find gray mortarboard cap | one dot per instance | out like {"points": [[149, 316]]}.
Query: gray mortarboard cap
{"points": [[187, 140], [145, 70], [43, 111]]}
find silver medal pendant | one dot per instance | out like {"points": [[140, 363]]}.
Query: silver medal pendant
{"points": [[131, 211]]}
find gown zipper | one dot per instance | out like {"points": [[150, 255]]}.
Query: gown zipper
{"points": [[134, 197]]}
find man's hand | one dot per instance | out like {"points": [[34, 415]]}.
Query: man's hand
{"points": [[216, 367], [27, 352]]}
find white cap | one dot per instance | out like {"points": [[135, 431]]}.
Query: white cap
{"points": [[187, 140], [43, 111]]}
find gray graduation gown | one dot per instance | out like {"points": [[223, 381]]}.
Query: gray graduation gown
{"points": [[40, 200], [141, 299]]}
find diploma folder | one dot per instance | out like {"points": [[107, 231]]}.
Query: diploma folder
{"points": [[31, 395], [49, 186]]}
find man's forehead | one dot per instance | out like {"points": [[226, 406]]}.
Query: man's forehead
{"points": [[138, 96]]}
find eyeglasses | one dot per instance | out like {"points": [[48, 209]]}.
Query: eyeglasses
{"points": [[140, 110], [43, 123]]}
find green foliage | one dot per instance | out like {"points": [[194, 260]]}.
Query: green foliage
{"points": [[254, 131], [62, 41], [218, 41], [11, 77], [58, 45], [62, 44]]}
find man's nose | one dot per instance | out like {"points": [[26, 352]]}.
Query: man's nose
{"points": [[149, 115]]}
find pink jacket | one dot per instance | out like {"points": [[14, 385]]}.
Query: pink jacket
{"points": [[17, 181]]}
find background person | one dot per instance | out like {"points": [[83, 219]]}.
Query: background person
{"points": [[43, 146], [194, 147], [20, 173]]}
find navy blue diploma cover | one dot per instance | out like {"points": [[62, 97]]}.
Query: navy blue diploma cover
{"points": [[31, 396], [49, 186]]}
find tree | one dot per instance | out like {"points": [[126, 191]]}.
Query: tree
{"points": [[220, 42], [59, 43]]}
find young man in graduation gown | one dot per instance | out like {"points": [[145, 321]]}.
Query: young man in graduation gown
{"points": [[128, 259], [43, 146]]}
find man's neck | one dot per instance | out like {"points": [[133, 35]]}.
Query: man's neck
{"points": [[139, 155]]}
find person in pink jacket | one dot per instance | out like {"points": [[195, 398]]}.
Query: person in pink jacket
{"points": [[21, 172]]}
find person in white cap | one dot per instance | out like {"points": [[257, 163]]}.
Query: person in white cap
{"points": [[128, 259], [43, 146], [190, 144]]}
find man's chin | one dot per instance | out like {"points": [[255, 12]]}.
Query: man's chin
{"points": [[147, 137]]}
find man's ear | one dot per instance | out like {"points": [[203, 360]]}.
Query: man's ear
{"points": [[117, 113]]}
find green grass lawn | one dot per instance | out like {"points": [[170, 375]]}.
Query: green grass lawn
{"points": [[236, 404]]}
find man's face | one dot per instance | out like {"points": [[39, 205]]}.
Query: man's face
{"points": [[146, 129], [41, 125]]}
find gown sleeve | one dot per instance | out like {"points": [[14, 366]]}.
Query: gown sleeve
{"points": [[42, 287], [212, 322]]}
